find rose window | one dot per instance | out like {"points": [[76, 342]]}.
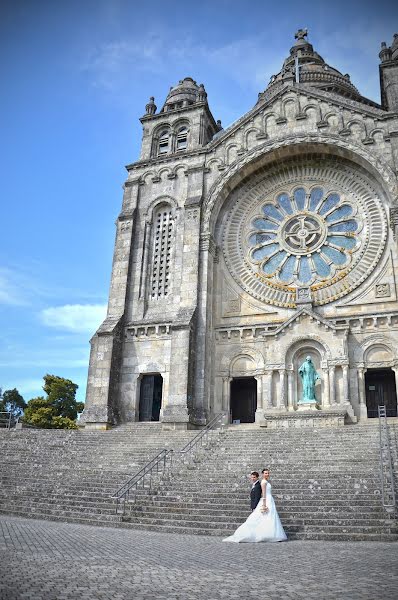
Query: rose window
{"points": [[304, 238]]}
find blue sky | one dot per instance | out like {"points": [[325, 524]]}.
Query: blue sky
{"points": [[75, 78]]}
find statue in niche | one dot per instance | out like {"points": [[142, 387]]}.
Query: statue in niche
{"points": [[309, 377]]}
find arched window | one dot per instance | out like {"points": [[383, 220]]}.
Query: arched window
{"points": [[182, 139], [162, 247], [164, 142]]}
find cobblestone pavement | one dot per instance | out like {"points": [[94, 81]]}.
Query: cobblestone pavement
{"points": [[60, 561]]}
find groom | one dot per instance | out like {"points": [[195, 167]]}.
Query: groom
{"points": [[255, 492]]}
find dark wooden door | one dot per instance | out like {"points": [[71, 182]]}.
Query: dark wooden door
{"points": [[381, 390], [243, 399], [146, 397]]}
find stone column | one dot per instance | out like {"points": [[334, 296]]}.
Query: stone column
{"points": [[204, 364], [332, 373], [395, 369], [363, 413], [326, 389], [346, 385], [259, 415], [281, 397], [226, 384], [268, 390], [290, 390]]}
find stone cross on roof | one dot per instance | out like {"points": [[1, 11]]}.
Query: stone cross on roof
{"points": [[301, 34]]}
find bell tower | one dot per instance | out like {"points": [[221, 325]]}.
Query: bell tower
{"points": [[389, 75]]}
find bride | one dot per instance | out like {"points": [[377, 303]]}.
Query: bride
{"points": [[263, 524]]}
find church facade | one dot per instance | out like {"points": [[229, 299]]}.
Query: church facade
{"points": [[241, 252]]}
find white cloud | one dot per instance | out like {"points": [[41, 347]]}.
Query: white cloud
{"points": [[79, 318], [27, 387], [242, 60]]}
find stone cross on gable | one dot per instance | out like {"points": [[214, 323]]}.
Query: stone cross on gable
{"points": [[301, 34]]}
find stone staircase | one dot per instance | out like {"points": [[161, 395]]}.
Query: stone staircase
{"points": [[326, 485], [72, 475], [325, 481]]}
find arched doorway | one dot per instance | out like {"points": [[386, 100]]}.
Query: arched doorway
{"points": [[150, 397], [380, 390], [243, 399]]}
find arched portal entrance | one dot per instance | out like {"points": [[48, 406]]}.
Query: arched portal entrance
{"points": [[380, 390], [150, 397], [243, 399]]}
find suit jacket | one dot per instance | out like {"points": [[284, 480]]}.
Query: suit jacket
{"points": [[255, 495]]}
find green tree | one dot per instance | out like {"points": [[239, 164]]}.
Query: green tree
{"points": [[61, 394], [13, 402], [59, 409]]}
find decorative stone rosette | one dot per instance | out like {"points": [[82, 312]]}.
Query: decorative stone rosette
{"points": [[317, 234]]}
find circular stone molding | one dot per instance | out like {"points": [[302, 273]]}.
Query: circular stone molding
{"points": [[319, 227]]}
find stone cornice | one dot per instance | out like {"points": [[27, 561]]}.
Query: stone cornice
{"points": [[320, 95]]}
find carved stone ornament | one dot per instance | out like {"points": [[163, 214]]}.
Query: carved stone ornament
{"points": [[383, 290], [192, 214], [125, 225], [303, 295], [302, 234]]}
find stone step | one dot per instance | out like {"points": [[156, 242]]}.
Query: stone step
{"points": [[236, 519], [308, 535], [227, 525], [243, 509]]}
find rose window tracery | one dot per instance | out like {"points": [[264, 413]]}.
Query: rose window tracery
{"points": [[317, 226], [305, 237]]}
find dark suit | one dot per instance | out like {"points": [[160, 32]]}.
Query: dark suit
{"points": [[255, 495]]}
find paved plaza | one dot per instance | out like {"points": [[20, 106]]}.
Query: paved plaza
{"points": [[59, 561]]}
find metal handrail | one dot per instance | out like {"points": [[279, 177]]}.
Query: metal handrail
{"points": [[8, 419], [386, 468], [123, 493], [203, 433], [161, 461]]}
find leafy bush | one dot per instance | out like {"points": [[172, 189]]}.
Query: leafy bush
{"points": [[59, 409]]}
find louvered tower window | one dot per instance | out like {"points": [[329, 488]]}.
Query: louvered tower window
{"points": [[162, 246], [182, 138], [164, 142]]}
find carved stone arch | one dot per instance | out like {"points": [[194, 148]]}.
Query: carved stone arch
{"points": [[179, 169], [243, 354], [182, 122], [215, 161], [286, 101], [266, 117], [249, 131], [362, 350], [311, 106], [299, 343], [361, 126], [161, 127], [148, 176], [355, 122], [231, 153], [374, 131], [165, 171], [275, 150], [156, 203], [242, 364], [232, 353], [329, 115]]}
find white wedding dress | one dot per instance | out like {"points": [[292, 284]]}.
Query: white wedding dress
{"points": [[261, 527]]}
